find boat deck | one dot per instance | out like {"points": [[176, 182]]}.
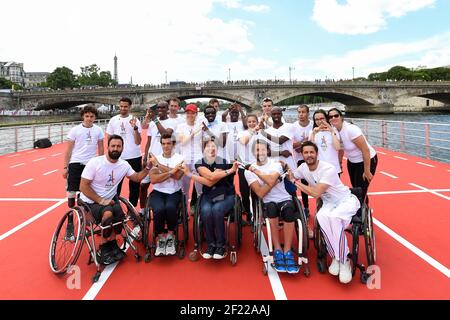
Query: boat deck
{"points": [[409, 195]]}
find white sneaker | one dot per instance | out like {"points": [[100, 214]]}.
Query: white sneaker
{"points": [[161, 247], [170, 245], [334, 267], [345, 272]]}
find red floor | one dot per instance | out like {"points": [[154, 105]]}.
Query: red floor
{"points": [[421, 218]]}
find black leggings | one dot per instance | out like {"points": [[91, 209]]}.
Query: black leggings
{"points": [[356, 170], [136, 164]]}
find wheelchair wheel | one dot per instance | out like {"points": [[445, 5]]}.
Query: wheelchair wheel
{"points": [[304, 226], [369, 237], [65, 248], [146, 234], [184, 220], [355, 247], [237, 221], [258, 226], [135, 225]]}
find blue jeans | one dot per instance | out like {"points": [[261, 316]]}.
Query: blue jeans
{"points": [[165, 210], [212, 215]]}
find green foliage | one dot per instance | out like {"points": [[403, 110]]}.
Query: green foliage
{"points": [[92, 76], [399, 73], [61, 78], [7, 84]]}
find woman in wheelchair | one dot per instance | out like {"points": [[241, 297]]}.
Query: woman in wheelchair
{"points": [[216, 175], [166, 195], [339, 205], [263, 178], [98, 187]]}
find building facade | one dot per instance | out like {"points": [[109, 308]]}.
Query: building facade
{"points": [[14, 72]]}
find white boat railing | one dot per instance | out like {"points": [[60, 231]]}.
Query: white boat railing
{"points": [[427, 140]]}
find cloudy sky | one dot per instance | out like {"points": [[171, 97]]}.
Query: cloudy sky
{"points": [[200, 40]]}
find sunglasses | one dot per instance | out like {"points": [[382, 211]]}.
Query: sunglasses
{"points": [[331, 116], [267, 100]]}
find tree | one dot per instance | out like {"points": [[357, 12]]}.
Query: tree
{"points": [[5, 83], [61, 78], [92, 76]]}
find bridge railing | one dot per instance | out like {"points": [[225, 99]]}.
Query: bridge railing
{"points": [[427, 140], [20, 138]]}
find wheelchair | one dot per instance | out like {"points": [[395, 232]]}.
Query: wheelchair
{"points": [[65, 251], [149, 236], [234, 216], [301, 230], [361, 224]]}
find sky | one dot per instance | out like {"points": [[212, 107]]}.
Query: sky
{"points": [[204, 40]]}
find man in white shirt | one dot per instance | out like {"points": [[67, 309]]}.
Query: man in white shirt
{"points": [[99, 183], [161, 124], [234, 127], [166, 195], [339, 205], [263, 178], [129, 128], [302, 129], [174, 107], [215, 130], [82, 145]]}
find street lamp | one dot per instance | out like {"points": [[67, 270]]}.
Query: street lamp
{"points": [[229, 74], [290, 70], [166, 76], [353, 72]]}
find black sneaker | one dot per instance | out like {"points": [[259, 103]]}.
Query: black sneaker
{"points": [[116, 252], [105, 255], [209, 252], [219, 253]]}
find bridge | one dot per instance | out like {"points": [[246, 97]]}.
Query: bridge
{"points": [[368, 97]]}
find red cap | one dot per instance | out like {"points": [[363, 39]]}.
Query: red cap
{"points": [[191, 107]]}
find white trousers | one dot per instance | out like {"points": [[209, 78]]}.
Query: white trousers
{"points": [[333, 218]]}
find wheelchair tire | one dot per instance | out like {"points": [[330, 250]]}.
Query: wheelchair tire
{"points": [[59, 261], [304, 225], [369, 238], [184, 220], [259, 217], [134, 216], [237, 221], [355, 247]]}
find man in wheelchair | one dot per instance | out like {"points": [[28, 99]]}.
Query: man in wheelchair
{"points": [[263, 178], [339, 206], [98, 186]]}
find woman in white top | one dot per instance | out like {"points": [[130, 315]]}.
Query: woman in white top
{"points": [[361, 157], [166, 195], [327, 140], [246, 140], [189, 137]]}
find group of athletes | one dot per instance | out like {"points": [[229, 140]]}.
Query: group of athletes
{"points": [[196, 153]]}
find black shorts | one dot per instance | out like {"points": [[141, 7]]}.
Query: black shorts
{"points": [[74, 176], [285, 210], [97, 211]]}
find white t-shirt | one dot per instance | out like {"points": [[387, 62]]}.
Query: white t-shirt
{"points": [[105, 176], [217, 128], [122, 127], [301, 134], [246, 151], [170, 185], [324, 173], [327, 152], [155, 143], [278, 193], [192, 150], [86, 140], [232, 146], [285, 130], [348, 133], [179, 120]]}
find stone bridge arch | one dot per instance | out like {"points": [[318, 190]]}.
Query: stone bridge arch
{"points": [[438, 94], [66, 102]]}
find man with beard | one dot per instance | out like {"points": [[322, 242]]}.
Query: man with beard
{"points": [[98, 186], [339, 206], [129, 128]]}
